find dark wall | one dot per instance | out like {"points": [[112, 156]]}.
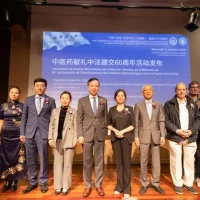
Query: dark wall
{"points": [[5, 36]]}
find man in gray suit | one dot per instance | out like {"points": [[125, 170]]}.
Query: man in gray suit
{"points": [[92, 131], [149, 134], [34, 132]]}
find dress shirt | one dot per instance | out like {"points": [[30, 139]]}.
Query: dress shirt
{"points": [[149, 107], [37, 99], [183, 114], [92, 99]]}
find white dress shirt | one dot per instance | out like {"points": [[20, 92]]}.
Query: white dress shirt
{"points": [[183, 114], [92, 99], [37, 99]]}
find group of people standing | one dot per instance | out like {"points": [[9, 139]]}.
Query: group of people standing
{"points": [[27, 130]]}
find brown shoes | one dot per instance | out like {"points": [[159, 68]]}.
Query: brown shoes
{"points": [[86, 192], [100, 191]]}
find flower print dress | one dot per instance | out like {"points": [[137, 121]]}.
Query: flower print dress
{"points": [[13, 151]]}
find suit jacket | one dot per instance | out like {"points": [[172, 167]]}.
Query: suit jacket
{"points": [[89, 124], [31, 121], [128, 121], [69, 135], [147, 129]]}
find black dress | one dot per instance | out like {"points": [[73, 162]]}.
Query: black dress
{"points": [[13, 151], [122, 147]]}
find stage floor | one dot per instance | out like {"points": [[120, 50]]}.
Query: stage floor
{"points": [[76, 191]]}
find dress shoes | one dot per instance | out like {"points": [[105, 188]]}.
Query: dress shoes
{"points": [[13, 186], [29, 188], [65, 192], [158, 189], [86, 192], [57, 192], [143, 189], [100, 191], [6, 186], [44, 188]]}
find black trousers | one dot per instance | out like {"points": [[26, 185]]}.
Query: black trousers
{"points": [[197, 159], [122, 151]]}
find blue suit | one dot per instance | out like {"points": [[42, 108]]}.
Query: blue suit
{"points": [[35, 128]]}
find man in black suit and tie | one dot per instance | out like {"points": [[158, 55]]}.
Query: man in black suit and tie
{"points": [[34, 132], [92, 131]]}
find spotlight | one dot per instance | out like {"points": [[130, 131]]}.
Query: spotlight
{"points": [[192, 21]]}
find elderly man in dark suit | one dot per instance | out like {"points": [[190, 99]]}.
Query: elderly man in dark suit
{"points": [[149, 134], [92, 131], [34, 132]]}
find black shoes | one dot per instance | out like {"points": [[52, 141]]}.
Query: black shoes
{"points": [[29, 188], [6, 186], [44, 188], [143, 189], [13, 186], [57, 192], [158, 189]]}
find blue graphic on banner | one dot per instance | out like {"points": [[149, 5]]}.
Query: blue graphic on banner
{"points": [[125, 61]]}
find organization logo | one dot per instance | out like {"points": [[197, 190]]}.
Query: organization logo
{"points": [[182, 41], [173, 41]]}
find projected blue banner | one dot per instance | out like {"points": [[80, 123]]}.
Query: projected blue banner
{"points": [[119, 61]]}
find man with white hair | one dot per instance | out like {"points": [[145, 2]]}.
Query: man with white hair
{"points": [[182, 122], [149, 134]]}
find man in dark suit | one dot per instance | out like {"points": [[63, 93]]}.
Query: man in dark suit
{"points": [[194, 88], [149, 134], [92, 131], [34, 132]]}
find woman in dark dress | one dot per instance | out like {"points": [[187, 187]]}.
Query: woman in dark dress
{"points": [[13, 151], [120, 122]]}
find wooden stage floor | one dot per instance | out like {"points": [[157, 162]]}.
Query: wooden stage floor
{"points": [[75, 192]]}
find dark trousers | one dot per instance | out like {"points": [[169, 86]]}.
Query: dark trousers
{"points": [[122, 151], [35, 146], [197, 159]]}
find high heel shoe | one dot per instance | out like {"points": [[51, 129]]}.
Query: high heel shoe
{"points": [[6, 186], [13, 186]]}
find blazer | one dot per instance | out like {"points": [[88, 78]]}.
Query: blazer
{"points": [[149, 129], [31, 121], [69, 134], [89, 124], [172, 120], [129, 121]]}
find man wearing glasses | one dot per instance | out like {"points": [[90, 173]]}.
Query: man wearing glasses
{"points": [[193, 93]]}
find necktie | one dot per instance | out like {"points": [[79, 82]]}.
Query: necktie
{"points": [[94, 105], [39, 105], [149, 108]]}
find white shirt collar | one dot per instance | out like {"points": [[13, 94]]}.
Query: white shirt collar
{"points": [[91, 97], [36, 96], [179, 101], [148, 101]]}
